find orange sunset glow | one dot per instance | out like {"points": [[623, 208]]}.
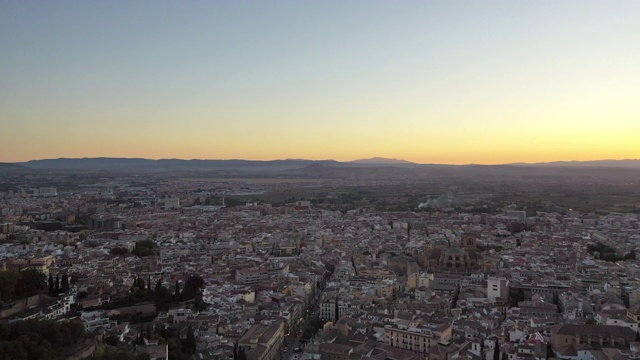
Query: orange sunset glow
{"points": [[429, 82]]}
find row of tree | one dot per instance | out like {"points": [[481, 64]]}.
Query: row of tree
{"points": [[608, 253], [145, 248], [19, 284], [180, 349], [120, 352], [56, 286], [142, 290], [39, 339]]}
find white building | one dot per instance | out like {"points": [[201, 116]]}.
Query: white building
{"points": [[47, 191], [517, 214], [171, 203], [252, 276], [498, 288], [96, 320], [417, 338]]}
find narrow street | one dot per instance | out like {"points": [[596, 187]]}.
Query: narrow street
{"points": [[293, 340]]}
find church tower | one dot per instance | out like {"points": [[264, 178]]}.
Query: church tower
{"points": [[469, 241]]}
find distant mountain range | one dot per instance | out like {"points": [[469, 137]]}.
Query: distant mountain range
{"points": [[382, 161], [196, 164], [288, 166], [627, 163]]}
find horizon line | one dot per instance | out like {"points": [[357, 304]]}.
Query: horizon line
{"points": [[406, 162]]}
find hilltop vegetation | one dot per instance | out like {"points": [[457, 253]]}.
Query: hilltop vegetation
{"points": [[19, 284], [43, 339]]}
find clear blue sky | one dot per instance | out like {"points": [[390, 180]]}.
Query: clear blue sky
{"points": [[428, 81]]}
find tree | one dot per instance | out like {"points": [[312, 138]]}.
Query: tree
{"points": [[631, 255], [8, 283], [199, 304], [39, 339], [177, 291], [106, 352], [330, 267], [172, 338], [140, 339], [31, 282], [119, 250], [57, 283], [65, 283], [145, 248], [175, 348], [242, 354], [189, 345], [312, 328], [192, 287], [111, 340], [90, 243], [516, 295], [51, 284]]}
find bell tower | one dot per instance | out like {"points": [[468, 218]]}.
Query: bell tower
{"points": [[469, 241]]}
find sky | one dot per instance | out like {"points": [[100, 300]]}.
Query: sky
{"points": [[455, 82]]}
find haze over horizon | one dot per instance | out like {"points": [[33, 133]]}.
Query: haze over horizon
{"points": [[372, 161], [428, 82]]}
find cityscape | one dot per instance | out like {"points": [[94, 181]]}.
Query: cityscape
{"points": [[314, 260], [320, 180]]}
